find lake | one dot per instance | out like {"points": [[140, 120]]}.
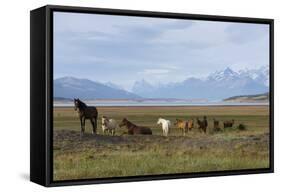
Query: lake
{"points": [[158, 103]]}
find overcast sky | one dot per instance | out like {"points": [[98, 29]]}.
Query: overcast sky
{"points": [[123, 49]]}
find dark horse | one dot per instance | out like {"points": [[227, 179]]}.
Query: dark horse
{"points": [[86, 112], [202, 125], [134, 129]]}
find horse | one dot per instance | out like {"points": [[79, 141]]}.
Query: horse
{"points": [[165, 125], [216, 125], [190, 124], [84, 113], [228, 123], [202, 125], [181, 124], [108, 125], [135, 129]]}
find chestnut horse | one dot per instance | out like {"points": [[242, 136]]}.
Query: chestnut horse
{"points": [[182, 125], [228, 123], [135, 129], [216, 125], [190, 124]]}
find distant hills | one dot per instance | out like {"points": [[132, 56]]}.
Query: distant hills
{"points": [[70, 87], [62, 99], [249, 98], [217, 86]]}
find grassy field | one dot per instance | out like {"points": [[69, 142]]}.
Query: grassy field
{"points": [[123, 155]]}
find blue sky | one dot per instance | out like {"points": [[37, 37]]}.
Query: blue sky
{"points": [[123, 49]]}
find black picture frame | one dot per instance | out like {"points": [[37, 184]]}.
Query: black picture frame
{"points": [[41, 91]]}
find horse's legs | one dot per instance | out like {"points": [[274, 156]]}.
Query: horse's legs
{"points": [[82, 126], [84, 120], [93, 126], [96, 124]]}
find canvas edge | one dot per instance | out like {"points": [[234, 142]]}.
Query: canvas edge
{"points": [[38, 135]]}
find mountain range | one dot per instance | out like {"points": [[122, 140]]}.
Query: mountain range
{"points": [[71, 87], [216, 86]]}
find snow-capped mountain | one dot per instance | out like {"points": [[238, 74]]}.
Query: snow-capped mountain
{"points": [[70, 87], [217, 85], [226, 74], [261, 74], [143, 88]]}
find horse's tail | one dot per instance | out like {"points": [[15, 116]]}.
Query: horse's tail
{"points": [[169, 123], [96, 122]]}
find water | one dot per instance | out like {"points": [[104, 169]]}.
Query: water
{"points": [[157, 103]]}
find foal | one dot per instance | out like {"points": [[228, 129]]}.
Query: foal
{"points": [[108, 125]]}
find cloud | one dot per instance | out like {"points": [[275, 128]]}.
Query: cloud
{"points": [[154, 71], [123, 49], [244, 33], [201, 34]]}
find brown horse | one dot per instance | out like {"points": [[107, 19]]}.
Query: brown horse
{"points": [[202, 125], [135, 129], [228, 123], [84, 113], [182, 125], [216, 125], [190, 124]]}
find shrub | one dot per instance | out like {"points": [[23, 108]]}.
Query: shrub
{"points": [[241, 127]]}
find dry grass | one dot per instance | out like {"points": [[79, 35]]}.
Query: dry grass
{"points": [[106, 156]]}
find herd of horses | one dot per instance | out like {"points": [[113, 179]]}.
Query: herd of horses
{"points": [[109, 126]]}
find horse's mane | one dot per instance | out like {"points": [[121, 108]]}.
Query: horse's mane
{"points": [[129, 122], [82, 104]]}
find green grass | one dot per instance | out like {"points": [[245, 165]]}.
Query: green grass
{"points": [[150, 155]]}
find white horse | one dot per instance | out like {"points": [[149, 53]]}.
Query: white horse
{"points": [[165, 125], [108, 125]]}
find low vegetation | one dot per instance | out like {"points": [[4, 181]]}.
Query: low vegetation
{"points": [[124, 155], [263, 98], [241, 127]]}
